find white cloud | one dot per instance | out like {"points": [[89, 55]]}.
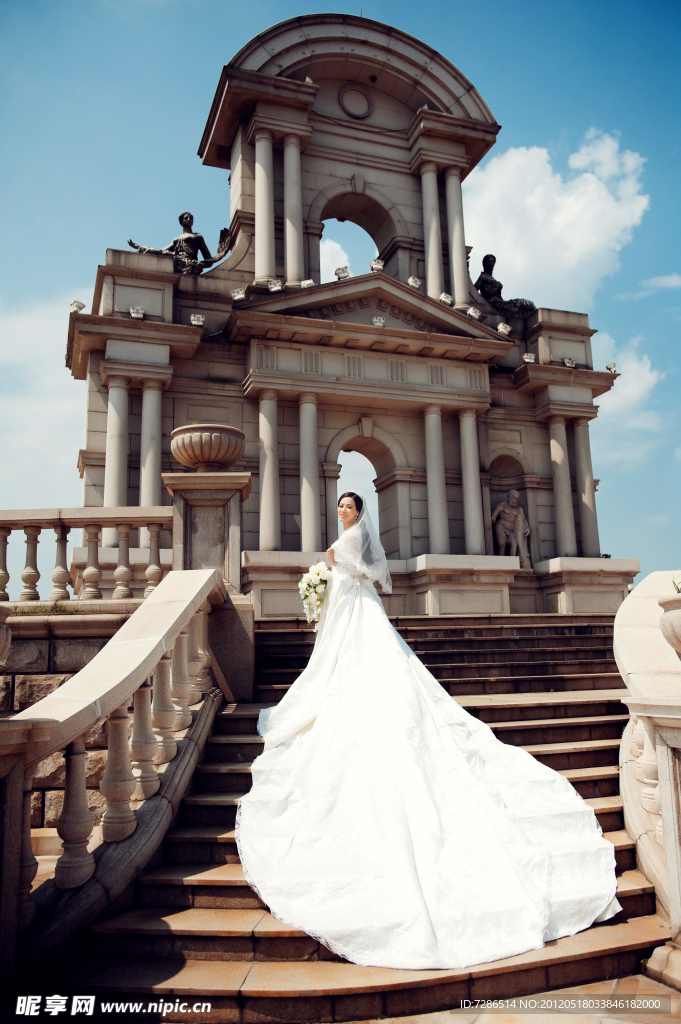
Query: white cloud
{"points": [[628, 428], [331, 255], [660, 520], [555, 237], [667, 281], [43, 416]]}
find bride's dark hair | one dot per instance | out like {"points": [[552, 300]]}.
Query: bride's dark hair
{"points": [[355, 497]]}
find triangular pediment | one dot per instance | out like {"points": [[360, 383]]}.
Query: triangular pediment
{"points": [[358, 300]]}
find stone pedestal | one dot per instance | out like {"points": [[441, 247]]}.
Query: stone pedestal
{"points": [[207, 535], [207, 522], [585, 585]]}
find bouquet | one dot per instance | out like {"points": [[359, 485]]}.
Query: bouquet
{"points": [[312, 588]]}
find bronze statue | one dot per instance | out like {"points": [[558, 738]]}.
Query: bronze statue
{"points": [[490, 289], [512, 528], [186, 247]]}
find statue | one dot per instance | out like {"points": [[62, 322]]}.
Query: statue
{"points": [[187, 246], [490, 289], [512, 528]]}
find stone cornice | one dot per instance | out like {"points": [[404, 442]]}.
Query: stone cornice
{"points": [[131, 273], [88, 333], [532, 377], [357, 392], [236, 96], [137, 372]]}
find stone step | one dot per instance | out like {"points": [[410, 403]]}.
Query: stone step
{"points": [[560, 730], [267, 645], [273, 692], [223, 886], [239, 718], [598, 781], [474, 670], [609, 811], [297, 655], [565, 703], [233, 748], [326, 991], [210, 809], [576, 754], [216, 845], [231, 777]]}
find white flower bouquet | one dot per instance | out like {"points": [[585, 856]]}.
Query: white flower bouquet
{"points": [[312, 588]]}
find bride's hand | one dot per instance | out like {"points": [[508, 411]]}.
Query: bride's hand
{"points": [[329, 555]]}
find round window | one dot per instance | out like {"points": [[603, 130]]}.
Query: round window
{"points": [[355, 101]]}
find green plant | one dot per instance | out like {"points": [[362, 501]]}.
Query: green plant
{"points": [[676, 586], [606, 556]]}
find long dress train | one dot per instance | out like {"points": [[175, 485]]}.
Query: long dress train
{"points": [[390, 824]]}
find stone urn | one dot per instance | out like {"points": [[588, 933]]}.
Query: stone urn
{"points": [[670, 623], [207, 447]]}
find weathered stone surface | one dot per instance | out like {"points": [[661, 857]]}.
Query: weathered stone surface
{"points": [[30, 689], [6, 694], [36, 809], [49, 774], [54, 801], [28, 656], [70, 654]]}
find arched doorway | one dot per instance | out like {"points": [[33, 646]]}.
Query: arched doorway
{"points": [[384, 453], [358, 474], [345, 243]]}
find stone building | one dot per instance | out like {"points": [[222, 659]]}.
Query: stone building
{"points": [[455, 398]]}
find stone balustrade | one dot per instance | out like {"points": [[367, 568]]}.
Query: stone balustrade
{"points": [[92, 521], [153, 668], [647, 647]]}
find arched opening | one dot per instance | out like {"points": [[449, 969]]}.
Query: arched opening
{"points": [[358, 474], [506, 473], [345, 243], [363, 211]]}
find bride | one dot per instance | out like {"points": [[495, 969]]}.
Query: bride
{"points": [[391, 825]]}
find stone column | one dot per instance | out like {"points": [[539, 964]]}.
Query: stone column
{"points": [[116, 459], [293, 211], [310, 512], [586, 491], [331, 472], [150, 450], [436, 488], [474, 529], [270, 518], [566, 540], [264, 206], [315, 229], [458, 267], [432, 235]]}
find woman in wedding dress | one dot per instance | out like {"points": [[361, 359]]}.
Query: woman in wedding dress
{"points": [[391, 825]]}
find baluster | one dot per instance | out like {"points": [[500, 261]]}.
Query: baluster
{"points": [[637, 738], [144, 745], [182, 684], [163, 712], [92, 573], [123, 573], [60, 573], [28, 867], [205, 679], [153, 572], [650, 794], [76, 863], [194, 659], [4, 575], [30, 575], [118, 783]]}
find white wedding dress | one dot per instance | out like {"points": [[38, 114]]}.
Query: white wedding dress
{"points": [[390, 824]]}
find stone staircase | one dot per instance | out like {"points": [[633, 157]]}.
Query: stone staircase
{"points": [[547, 683]]}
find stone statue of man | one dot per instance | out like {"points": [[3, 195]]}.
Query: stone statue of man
{"points": [[185, 249], [511, 527]]}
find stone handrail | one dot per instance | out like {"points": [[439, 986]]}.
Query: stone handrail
{"points": [[157, 662], [92, 520], [647, 645]]}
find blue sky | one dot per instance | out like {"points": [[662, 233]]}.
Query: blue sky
{"points": [[102, 105]]}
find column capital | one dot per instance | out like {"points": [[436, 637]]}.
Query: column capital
{"points": [[582, 421], [136, 373], [114, 381], [453, 172], [463, 413], [292, 140], [427, 167], [432, 410], [315, 227], [557, 418], [268, 395], [262, 134], [152, 384], [307, 397]]}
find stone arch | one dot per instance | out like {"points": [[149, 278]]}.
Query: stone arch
{"points": [[369, 208], [385, 453], [498, 453]]}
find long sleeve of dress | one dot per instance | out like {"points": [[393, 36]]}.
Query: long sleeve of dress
{"points": [[349, 554]]}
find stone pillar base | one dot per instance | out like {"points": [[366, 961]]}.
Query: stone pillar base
{"points": [[665, 965], [585, 585]]}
